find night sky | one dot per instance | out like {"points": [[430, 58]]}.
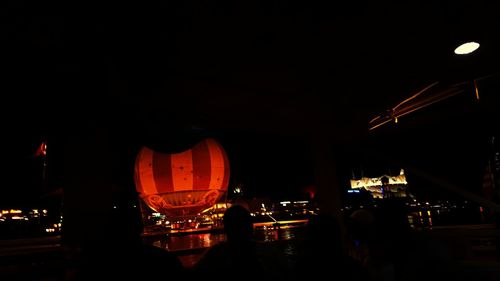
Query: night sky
{"points": [[260, 76]]}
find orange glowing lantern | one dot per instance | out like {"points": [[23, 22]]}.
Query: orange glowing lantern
{"points": [[185, 183]]}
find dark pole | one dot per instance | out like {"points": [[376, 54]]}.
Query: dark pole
{"points": [[44, 168]]}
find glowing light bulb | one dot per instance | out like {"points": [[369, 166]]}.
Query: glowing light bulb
{"points": [[466, 48]]}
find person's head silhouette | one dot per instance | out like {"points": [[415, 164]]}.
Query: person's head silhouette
{"points": [[238, 224], [125, 223], [323, 233], [391, 217]]}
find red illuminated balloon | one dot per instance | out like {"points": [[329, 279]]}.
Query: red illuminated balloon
{"points": [[185, 183]]}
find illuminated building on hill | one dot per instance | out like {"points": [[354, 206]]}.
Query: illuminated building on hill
{"points": [[384, 186]]}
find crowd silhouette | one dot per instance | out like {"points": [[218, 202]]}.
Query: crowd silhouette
{"points": [[240, 256], [376, 245], [383, 241], [322, 255], [121, 254]]}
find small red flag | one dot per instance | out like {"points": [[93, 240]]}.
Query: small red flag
{"points": [[41, 150]]}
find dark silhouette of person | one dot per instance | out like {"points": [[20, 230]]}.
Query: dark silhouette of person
{"points": [[367, 247], [240, 256], [322, 257], [122, 254], [398, 252]]}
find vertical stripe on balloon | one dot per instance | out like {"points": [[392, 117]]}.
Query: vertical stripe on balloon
{"points": [[217, 165], [146, 176], [182, 170], [225, 181], [201, 166], [163, 172], [137, 175]]}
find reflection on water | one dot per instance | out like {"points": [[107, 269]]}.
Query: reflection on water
{"points": [[189, 241], [191, 246], [206, 240]]}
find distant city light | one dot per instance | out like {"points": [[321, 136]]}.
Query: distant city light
{"points": [[467, 48], [284, 203]]}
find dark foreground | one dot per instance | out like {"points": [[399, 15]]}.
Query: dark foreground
{"points": [[474, 248]]}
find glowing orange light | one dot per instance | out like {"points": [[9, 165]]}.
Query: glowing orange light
{"points": [[476, 89], [182, 183], [41, 150]]}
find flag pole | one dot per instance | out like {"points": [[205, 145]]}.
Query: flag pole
{"points": [[42, 152], [44, 167]]}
